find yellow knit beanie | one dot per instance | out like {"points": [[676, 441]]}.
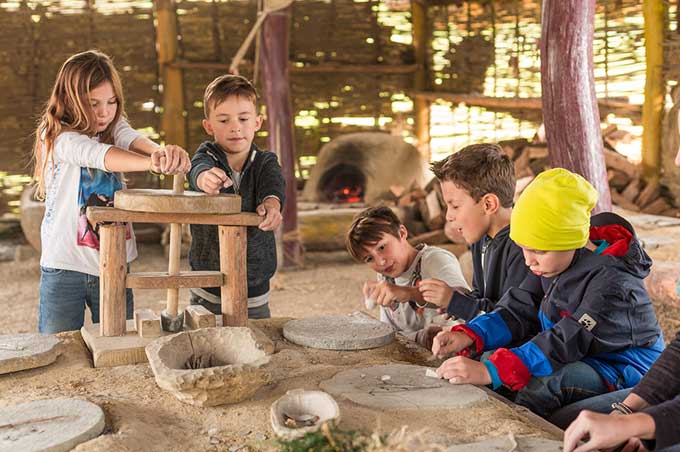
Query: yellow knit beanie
{"points": [[553, 212]]}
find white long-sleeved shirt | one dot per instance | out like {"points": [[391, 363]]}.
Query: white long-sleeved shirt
{"points": [[80, 180]]}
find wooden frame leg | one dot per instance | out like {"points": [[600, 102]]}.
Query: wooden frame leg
{"points": [[112, 274], [234, 292]]}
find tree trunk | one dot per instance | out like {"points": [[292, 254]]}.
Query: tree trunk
{"points": [[570, 110], [275, 81]]}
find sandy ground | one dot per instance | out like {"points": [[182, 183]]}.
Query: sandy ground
{"points": [[140, 416]]}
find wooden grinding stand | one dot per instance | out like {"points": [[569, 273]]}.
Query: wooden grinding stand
{"points": [[117, 341]]}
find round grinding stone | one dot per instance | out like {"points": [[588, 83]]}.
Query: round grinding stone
{"points": [[355, 331], [400, 386], [52, 425], [26, 351]]}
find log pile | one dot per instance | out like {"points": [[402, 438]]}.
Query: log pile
{"points": [[628, 189], [423, 210]]}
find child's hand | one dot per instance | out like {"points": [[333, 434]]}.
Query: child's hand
{"points": [[425, 336], [212, 180], [385, 294], [174, 160], [460, 370], [270, 209], [448, 342], [436, 291]]}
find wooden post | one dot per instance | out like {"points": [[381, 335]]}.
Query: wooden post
{"points": [[174, 257], [570, 110], [652, 109], [274, 58], [112, 272], [421, 80], [173, 122], [234, 292]]}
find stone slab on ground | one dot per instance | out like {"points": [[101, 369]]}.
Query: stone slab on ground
{"points": [[400, 386], [509, 443], [53, 425], [27, 351], [356, 331]]}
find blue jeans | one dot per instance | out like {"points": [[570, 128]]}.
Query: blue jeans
{"points": [[600, 404], [63, 297], [572, 383]]}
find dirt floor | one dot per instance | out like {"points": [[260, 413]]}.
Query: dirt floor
{"points": [[140, 416]]}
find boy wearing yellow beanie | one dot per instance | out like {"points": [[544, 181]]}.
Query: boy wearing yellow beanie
{"points": [[590, 324]]}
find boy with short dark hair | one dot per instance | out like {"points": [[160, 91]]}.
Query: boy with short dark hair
{"points": [[478, 185], [595, 329], [378, 239], [233, 164]]}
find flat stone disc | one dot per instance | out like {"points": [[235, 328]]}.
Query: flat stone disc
{"points": [[355, 331], [400, 386], [26, 351], [53, 425], [165, 201], [510, 443]]}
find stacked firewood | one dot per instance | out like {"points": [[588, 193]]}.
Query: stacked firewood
{"points": [[423, 210], [628, 189]]}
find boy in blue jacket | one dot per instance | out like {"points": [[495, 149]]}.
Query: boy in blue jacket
{"points": [[590, 321]]}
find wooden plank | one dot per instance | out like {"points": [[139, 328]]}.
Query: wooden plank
{"points": [[632, 190], [147, 323], [234, 293], [183, 280], [323, 68], [109, 214], [619, 200], [619, 162], [648, 194], [119, 350], [513, 103], [112, 271], [153, 200], [197, 316]]}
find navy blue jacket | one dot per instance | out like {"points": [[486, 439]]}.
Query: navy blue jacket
{"points": [[261, 176], [503, 268], [597, 311]]}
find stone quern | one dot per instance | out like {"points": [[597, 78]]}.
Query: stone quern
{"points": [[356, 331], [406, 388], [209, 366], [27, 351], [53, 425]]}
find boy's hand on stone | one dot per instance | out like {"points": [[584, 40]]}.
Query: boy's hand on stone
{"points": [[447, 342], [213, 180], [459, 370], [436, 291], [270, 209], [174, 160]]}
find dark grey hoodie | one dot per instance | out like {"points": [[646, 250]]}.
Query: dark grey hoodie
{"points": [[261, 176]]}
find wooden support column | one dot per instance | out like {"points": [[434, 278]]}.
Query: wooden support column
{"points": [[234, 292], [274, 45], [652, 109], [570, 110], [421, 105], [112, 273], [173, 121]]}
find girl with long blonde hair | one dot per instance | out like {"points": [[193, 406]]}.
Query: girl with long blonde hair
{"points": [[83, 144]]}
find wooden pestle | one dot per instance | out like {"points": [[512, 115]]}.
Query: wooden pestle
{"points": [[175, 250]]}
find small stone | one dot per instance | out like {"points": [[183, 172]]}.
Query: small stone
{"points": [[363, 375], [244, 433], [213, 432], [214, 440], [235, 448], [385, 378], [260, 437], [431, 373]]}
